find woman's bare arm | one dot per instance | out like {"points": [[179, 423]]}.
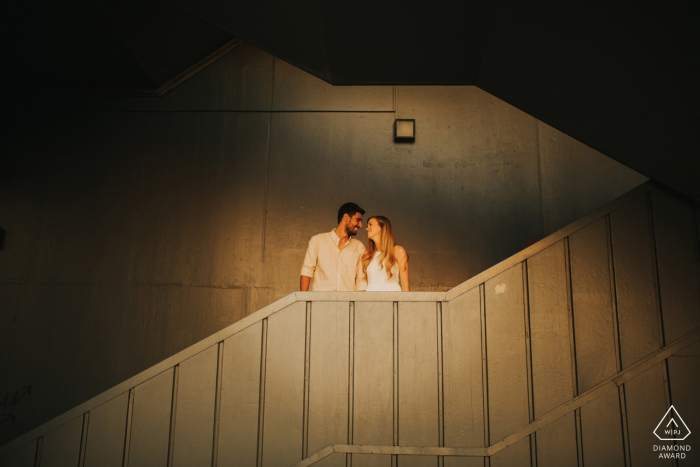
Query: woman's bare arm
{"points": [[360, 279], [402, 260]]}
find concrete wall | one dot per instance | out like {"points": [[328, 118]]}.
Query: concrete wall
{"points": [[138, 226], [568, 353]]}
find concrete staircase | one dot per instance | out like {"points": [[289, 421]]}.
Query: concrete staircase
{"points": [[568, 353]]}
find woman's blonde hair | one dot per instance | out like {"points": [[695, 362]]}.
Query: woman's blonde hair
{"points": [[387, 259]]}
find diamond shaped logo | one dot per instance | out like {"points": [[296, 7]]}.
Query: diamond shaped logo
{"points": [[672, 427]]}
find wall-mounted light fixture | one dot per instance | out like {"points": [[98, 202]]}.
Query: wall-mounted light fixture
{"points": [[404, 131]]}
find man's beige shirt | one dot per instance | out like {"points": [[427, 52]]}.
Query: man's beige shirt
{"points": [[334, 269]]}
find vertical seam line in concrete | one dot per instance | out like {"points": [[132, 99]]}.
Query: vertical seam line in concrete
{"points": [[484, 365], [267, 160], [261, 392], [579, 437], [613, 294], [655, 258], [173, 415], [83, 439], [441, 383], [127, 434], [616, 335], [395, 99], [395, 103], [657, 293], [217, 403], [572, 347], [528, 343], [570, 306], [625, 428], [307, 380], [267, 186], [39, 449], [528, 361], [394, 457], [351, 380], [665, 366], [667, 389]]}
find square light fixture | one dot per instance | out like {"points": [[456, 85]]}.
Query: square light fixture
{"points": [[404, 130]]}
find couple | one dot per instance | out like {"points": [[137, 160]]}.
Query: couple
{"points": [[338, 262]]}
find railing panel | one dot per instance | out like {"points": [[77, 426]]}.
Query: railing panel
{"points": [[194, 421], [551, 354], [462, 373], [150, 426], [549, 327], [505, 341], [373, 420], [418, 379], [556, 443], [601, 431], [328, 381], [22, 457], [62, 446], [635, 283], [284, 386], [517, 455], [240, 398], [646, 404], [677, 257], [592, 301], [106, 433]]}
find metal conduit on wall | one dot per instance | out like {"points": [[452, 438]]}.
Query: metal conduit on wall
{"points": [[565, 354]]}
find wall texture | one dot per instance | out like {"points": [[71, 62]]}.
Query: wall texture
{"points": [[138, 226]]}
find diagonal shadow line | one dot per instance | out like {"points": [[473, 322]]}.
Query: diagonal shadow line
{"points": [[595, 392]]}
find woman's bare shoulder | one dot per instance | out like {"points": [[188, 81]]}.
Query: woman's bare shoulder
{"points": [[400, 252]]}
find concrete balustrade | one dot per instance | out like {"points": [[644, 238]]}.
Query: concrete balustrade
{"points": [[565, 354]]}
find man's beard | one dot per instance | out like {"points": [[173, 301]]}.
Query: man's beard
{"points": [[351, 231]]}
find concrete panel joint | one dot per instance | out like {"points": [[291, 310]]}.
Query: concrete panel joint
{"points": [[261, 402]]}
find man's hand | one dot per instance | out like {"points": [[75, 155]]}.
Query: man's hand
{"points": [[304, 283]]}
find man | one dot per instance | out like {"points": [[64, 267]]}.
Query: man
{"points": [[332, 258]]}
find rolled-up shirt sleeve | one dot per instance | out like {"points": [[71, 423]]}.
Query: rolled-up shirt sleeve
{"points": [[311, 259]]}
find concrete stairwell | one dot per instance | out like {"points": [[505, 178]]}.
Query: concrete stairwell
{"points": [[568, 353]]}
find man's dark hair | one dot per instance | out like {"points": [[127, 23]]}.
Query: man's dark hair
{"points": [[350, 209]]}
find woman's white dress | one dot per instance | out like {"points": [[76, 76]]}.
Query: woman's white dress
{"points": [[377, 278]]}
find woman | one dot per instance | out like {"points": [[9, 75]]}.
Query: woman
{"points": [[384, 263]]}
